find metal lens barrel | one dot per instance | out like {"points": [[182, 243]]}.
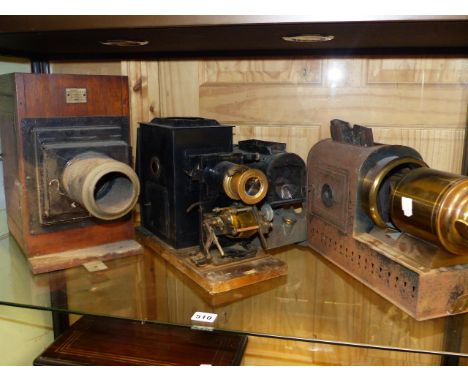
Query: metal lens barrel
{"points": [[378, 183], [433, 205], [107, 188], [240, 182]]}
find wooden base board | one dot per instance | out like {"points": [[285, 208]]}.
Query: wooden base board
{"points": [[68, 259], [420, 278], [216, 278], [101, 341]]}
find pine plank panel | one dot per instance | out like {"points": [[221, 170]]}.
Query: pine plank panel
{"points": [[271, 71], [440, 147], [296, 105], [143, 82], [86, 67], [179, 84], [344, 72], [418, 71], [298, 139]]}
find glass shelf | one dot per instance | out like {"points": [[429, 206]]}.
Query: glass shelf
{"points": [[315, 302]]}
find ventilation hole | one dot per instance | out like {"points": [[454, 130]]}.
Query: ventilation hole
{"points": [[404, 284]]}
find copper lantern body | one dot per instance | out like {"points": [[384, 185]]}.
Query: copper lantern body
{"points": [[379, 213]]}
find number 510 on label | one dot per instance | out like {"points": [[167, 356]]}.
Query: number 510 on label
{"points": [[204, 317]]}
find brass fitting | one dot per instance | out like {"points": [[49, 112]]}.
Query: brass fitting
{"points": [[375, 178], [249, 185], [433, 205]]}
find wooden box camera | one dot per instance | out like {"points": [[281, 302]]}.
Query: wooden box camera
{"points": [[69, 186]]}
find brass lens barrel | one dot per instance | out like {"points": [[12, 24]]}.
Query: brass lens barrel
{"points": [[375, 182], [244, 183], [433, 205]]}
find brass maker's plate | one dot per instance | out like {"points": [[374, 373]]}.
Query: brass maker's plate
{"points": [[76, 95]]}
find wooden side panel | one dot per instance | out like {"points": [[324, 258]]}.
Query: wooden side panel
{"points": [[11, 152], [45, 96], [262, 71], [179, 88], [280, 104], [79, 237], [441, 147], [417, 71], [417, 102]]}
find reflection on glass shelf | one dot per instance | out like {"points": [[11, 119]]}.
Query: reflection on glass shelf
{"points": [[315, 300]]}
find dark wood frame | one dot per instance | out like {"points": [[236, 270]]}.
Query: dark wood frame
{"points": [[80, 37]]}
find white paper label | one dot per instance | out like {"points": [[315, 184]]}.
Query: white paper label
{"points": [[204, 317], [94, 266], [407, 206]]}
